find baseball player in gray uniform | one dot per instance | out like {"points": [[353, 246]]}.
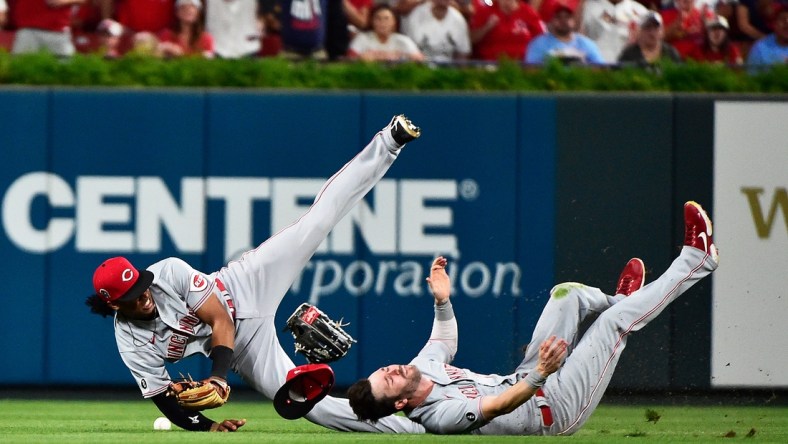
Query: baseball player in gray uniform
{"points": [[171, 311], [446, 399]]}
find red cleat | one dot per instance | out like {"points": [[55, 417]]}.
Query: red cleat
{"points": [[698, 230], [632, 277]]}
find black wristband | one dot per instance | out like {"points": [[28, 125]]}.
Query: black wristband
{"points": [[222, 357]]}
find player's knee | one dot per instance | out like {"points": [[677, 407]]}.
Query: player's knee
{"points": [[611, 321], [563, 289]]}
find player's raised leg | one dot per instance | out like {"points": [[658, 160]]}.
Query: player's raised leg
{"points": [[270, 269], [580, 384], [571, 303]]}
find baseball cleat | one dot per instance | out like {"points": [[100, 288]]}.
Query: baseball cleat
{"points": [[403, 130], [632, 277], [698, 230]]}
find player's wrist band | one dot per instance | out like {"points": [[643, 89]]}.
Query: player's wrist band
{"points": [[535, 379], [445, 311], [222, 357]]}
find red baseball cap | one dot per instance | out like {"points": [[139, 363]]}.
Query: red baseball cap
{"points": [[561, 5], [306, 385], [117, 280]]}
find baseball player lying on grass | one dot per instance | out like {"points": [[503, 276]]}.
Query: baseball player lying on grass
{"points": [[542, 396], [171, 311]]}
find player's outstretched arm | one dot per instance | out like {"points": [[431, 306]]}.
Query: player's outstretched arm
{"points": [[444, 327], [552, 353]]}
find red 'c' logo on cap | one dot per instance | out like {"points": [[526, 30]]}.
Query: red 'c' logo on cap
{"points": [[127, 275]]}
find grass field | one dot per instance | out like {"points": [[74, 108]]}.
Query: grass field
{"points": [[126, 422]]}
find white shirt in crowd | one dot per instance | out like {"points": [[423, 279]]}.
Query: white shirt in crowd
{"points": [[439, 40], [612, 26], [234, 27], [396, 43]]}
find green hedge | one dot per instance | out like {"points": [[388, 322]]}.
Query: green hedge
{"points": [[137, 71]]}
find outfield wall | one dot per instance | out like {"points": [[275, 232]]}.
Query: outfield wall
{"points": [[520, 191]]}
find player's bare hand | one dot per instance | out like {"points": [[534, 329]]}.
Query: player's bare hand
{"points": [[439, 283], [228, 425], [552, 353]]}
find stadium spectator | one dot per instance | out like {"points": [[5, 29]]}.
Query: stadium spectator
{"points": [[440, 31], [684, 25], [650, 47], [561, 41], [345, 19], [270, 16], [87, 16], [755, 17], [110, 33], [383, 43], [234, 26], [85, 19], [545, 8], [727, 9], [152, 16], [504, 30], [303, 29], [612, 24], [358, 13], [338, 30], [3, 13], [403, 8], [716, 45], [43, 25], [187, 37], [772, 49]]}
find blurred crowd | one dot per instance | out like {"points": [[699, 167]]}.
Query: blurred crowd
{"points": [[595, 32]]}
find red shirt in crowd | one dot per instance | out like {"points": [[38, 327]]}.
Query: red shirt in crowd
{"points": [[360, 4], [692, 28], [37, 14], [146, 15], [511, 35], [703, 54], [204, 44]]}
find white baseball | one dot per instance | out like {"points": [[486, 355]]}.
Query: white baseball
{"points": [[162, 423]]}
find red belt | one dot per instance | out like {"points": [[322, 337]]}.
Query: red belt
{"points": [[541, 402]]}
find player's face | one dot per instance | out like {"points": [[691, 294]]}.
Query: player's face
{"points": [[141, 308], [395, 381]]}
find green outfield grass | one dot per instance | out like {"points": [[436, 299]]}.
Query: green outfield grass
{"points": [[59, 421]]}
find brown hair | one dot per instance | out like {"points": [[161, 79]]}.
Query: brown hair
{"points": [[99, 306], [364, 404]]}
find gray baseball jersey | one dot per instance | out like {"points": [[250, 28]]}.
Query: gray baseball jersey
{"points": [[251, 290], [574, 391]]}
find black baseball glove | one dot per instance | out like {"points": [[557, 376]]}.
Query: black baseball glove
{"points": [[317, 337]]}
